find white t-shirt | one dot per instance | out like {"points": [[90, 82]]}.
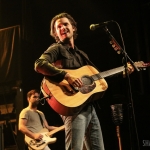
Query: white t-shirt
{"points": [[33, 119]]}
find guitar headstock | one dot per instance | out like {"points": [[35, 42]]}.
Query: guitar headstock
{"points": [[141, 65], [115, 46]]}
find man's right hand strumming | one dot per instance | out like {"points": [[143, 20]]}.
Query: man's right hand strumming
{"points": [[38, 136], [72, 80]]}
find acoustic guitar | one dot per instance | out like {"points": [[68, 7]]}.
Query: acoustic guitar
{"points": [[69, 103]]}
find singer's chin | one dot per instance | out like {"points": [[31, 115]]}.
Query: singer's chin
{"points": [[35, 104]]}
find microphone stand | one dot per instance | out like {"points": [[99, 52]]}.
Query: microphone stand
{"points": [[120, 50], [130, 105]]}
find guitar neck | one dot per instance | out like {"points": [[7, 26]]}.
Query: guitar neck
{"points": [[107, 73], [56, 130], [111, 72], [140, 65]]}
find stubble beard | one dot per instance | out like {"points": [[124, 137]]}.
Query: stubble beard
{"points": [[35, 104]]}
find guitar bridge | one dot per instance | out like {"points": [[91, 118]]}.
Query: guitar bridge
{"points": [[40, 144]]}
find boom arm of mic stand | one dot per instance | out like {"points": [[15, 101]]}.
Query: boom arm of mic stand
{"points": [[120, 48]]}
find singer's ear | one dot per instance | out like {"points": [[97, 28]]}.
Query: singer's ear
{"points": [[74, 28], [28, 99], [55, 33]]}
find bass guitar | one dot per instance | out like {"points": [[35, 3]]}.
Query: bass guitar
{"points": [[40, 144]]}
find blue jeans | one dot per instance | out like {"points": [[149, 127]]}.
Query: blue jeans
{"points": [[83, 128]]}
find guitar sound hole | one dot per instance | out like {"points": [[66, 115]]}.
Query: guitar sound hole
{"points": [[88, 84], [87, 80]]}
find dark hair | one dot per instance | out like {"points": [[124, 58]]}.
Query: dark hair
{"points": [[30, 93], [62, 15]]}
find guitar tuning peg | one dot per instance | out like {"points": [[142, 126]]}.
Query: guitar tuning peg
{"points": [[113, 45], [116, 48], [118, 52], [110, 42]]}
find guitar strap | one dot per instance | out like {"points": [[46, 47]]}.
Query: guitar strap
{"points": [[40, 119], [87, 60]]}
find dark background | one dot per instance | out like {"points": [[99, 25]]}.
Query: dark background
{"points": [[134, 21]]}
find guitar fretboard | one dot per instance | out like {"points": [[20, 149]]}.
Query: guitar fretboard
{"points": [[112, 72], [107, 73]]}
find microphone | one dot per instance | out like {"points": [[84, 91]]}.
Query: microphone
{"points": [[44, 98], [95, 26]]}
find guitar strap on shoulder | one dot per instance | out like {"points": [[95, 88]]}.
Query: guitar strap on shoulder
{"points": [[87, 60], [40, 118]]}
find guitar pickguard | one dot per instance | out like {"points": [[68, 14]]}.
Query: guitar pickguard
{"points": [[36, 143]]}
